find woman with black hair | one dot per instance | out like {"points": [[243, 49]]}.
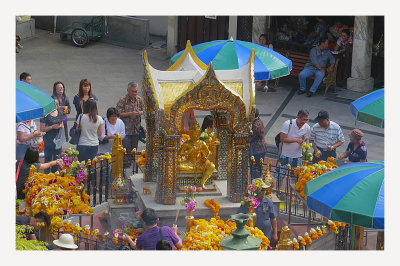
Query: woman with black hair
{"points": [[31, 158], [51, 124], [112, 125], [208, 122], [63, 101], [91, 126], [258, 147]]}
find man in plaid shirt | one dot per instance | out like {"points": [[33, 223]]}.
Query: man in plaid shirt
{"points": [[131, 108]]}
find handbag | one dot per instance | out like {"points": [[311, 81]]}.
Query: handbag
{"points": [[60, 139], [36, 143], [142, 134], [76, 133], [104, 141]]}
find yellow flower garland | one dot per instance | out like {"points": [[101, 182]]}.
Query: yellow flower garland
{"points": [[206, 235], [55, 195]]}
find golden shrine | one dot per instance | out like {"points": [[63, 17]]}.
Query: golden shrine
{"points": [[188, 85]]}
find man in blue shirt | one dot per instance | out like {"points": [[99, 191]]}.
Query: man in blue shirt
{"points": [[325, 137], [317, 66]]}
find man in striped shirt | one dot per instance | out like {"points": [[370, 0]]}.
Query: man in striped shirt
{"points": [[325, 137]]}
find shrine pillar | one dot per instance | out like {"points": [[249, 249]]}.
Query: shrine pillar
{"points": [[150, 143], [220, 118], [238, 178], [167, 184], [361, 79]]}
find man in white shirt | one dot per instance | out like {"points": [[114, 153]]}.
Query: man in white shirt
{"points": [[293, 133]]}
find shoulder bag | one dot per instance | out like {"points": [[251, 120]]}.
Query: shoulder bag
{"points": [[104, 141], [76, 133], [278, 141]]}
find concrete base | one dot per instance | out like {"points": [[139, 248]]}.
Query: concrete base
{"points": [[361, 85], [119, 212], [167, 213]]}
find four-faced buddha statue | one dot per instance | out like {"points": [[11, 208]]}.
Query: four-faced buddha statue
{"points": [[193, 155]]}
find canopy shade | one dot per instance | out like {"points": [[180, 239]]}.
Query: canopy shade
{"points": [[370, 108], [32, 102], [234, 54]]}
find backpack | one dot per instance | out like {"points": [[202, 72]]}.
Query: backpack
{"points": [[278, 139]]}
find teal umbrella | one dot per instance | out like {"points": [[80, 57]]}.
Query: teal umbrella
{"points": [[352, 194], [233, 54], [370, 108], [31, 102]]}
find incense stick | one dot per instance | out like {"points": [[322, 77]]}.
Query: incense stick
{"points": [[176, 216]]}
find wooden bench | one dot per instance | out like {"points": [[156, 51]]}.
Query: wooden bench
{"points": [[299, 60]]}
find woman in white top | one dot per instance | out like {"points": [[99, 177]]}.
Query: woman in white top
{"points": [[26, 131], [91, 128], [112, 125]]}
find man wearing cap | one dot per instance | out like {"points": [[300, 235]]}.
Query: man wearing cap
{"points": [[326, 136], [356, 150]]}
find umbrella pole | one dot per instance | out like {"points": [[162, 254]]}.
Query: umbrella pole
{"points": [[351, 231]]}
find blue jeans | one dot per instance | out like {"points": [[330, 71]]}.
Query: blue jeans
{"points": [[86, 152], [257, 168], [50, 154], [280, 172], [20, 151], [306, 73]]}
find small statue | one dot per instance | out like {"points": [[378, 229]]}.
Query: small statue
{"points": [[193, 155], [212, 143]]}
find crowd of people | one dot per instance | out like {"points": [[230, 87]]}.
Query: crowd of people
{"points": [[96, 133], [325, 136]]}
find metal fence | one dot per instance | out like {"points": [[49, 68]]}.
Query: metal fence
{"points": [[99, 242], [99, 176], [290, 201]]}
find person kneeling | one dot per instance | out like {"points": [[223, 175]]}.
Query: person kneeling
{"points": [[153, 234]]}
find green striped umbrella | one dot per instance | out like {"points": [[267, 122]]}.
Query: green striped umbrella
{"points": [[370, 108], [352, 194], [234, 54], [32, 102]]}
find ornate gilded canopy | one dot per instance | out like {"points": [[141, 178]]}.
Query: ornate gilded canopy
{"points": [[190, 84]]}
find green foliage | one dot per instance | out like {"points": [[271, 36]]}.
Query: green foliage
{"points": [[22, 243]]}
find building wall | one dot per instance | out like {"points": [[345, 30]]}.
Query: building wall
{"points": [[158, 25]]}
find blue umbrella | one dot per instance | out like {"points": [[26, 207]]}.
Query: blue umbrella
{"points": [[233, 54], [31, 102], [352, 194], [370, 108]]}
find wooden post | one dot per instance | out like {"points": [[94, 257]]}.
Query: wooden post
{"points": [[358, 237], [380, 239]]}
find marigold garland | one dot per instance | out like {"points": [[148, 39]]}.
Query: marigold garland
{"points": [[213, 205], [307, 173], [206, 235], [55, 195]]}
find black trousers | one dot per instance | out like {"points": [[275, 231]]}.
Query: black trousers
{"points": [[129, 142]]}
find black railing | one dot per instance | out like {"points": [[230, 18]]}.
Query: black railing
{"points": [[285, 182], [99, 176], [99, 242], [342, 238]]}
